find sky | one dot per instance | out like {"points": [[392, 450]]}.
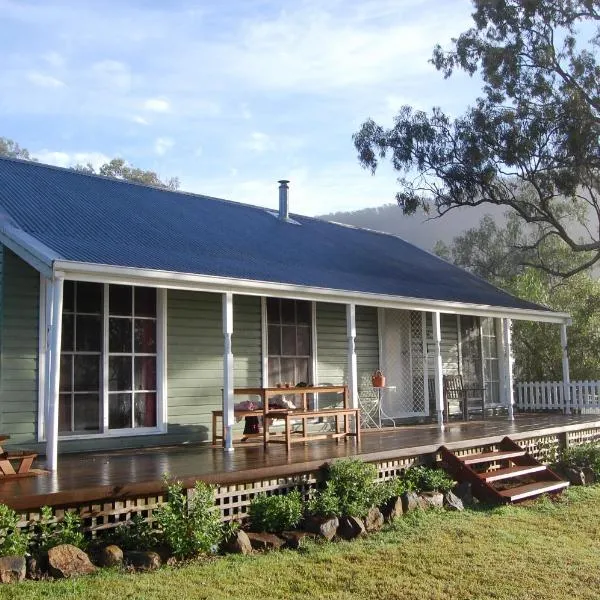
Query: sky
{"points": [[229, 96]]}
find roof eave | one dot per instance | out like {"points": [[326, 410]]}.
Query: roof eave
{"points": [[207, 283]]}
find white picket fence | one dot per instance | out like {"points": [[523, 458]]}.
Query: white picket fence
{"points": [[577, 397]]}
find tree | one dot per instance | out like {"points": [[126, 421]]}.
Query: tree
{"points": [[11, 149], [532, 140], [496, 254], [117, 168]]}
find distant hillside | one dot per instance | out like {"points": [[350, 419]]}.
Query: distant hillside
{"points": [[416, 229]]}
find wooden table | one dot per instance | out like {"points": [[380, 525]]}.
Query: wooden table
{"points": [[303, 413], [15, 463]]}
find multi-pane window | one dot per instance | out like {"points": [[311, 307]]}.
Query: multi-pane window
{"points": [[131, 357], [289, 341], [108, 378], [491, 371], [81, 358]]}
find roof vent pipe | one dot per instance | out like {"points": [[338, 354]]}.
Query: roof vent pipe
{"points": [[284, 208]]}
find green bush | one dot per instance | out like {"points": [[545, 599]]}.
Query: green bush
{"points": [[190, 526], [137, 534], [352, 481], [325, 502], [275, 513], [582, 457], [50, 532], [391, 489], [427, 479], [13, 541]]}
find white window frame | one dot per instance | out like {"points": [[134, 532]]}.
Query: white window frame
{"points": [[161, 373]]}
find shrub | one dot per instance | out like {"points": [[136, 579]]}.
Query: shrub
{"points": [[13, 541], [190, 526], [391, 488], [50, 532], [137, 534], [275, 513], [427, 479], [325, 502], [582, 457], [353, 482]]}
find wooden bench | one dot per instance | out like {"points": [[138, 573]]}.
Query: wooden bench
{"points": [[16, 462], [470, 399], [218, 433], [290, 436]]}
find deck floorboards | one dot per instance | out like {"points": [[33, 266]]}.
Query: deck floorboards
{"points": [[97, 476]]}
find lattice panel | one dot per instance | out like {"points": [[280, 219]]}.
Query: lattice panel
{"points": [[403, 365]]}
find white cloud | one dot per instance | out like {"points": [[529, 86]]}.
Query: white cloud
{"points": [[66, 159], [111, 74], [258, 142], [139, 120], [43, 80], [54, 59], [162, 145], [157, 105]]}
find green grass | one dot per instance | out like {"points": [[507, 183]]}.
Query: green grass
{"points": [[546, 550]]}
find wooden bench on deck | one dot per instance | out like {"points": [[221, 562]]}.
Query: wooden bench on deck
{"points": [[15, 463]]}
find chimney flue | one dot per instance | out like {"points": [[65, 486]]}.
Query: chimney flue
{"points": [[284, 208]]}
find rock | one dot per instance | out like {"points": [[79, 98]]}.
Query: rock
{"points": [[453, 502], [590, 476], [373, 520], [143, 561], [464, 492], [350, 528], [410, 501], [265, 541], [238, 543], [12, 569], [110, 556], [432, 499], [392, 509], [66, 560], [575, 476], [295, 539], [323, 526]]}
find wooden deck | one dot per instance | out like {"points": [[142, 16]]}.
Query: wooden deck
{"points": [[94, 477]]}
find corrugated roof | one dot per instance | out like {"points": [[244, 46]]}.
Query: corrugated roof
{"points": [[99, 220]]}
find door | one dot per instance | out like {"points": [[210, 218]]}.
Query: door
{"points": [[403, 362]]}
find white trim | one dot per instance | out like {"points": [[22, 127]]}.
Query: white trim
{"points": [[104, 428], [162, 376], [438, 369], [31, 250], [564, 344], [424, 352], [459, 344], [42, 363], [188, 281], [112, 433], [228, 384], [351, 354], [264, 342], [510, 386], [313, 349]]}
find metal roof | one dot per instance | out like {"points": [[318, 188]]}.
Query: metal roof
{"points": [[97, 220]]}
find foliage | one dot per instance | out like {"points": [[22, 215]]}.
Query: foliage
{"points": [[118, 168], [11, 149], [392, 488], [50, 532], [13, 541], [189, 526], [531, 142], [325, 502], [137, 534], [582, 457], [427, 479], [353, 481], [275, 513]]}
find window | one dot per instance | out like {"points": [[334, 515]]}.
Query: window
{"points": [[289, 341], [108, 376], [489, 349]]}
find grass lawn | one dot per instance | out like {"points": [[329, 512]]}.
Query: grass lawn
{"points": [[543, 551]]}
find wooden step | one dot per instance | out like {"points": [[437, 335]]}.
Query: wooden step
{"points": [[533, 489], [475, 459], [511, 472]]}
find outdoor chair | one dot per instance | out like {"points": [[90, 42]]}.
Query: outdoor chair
{"points": [[470, 400]]}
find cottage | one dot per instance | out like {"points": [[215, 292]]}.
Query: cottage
{"points": [[129, 314]]}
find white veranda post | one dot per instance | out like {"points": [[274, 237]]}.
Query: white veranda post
{"points": [[55, 296], [228, 416], [508, 367], [565, 369], [352, 368], [438, 369]]}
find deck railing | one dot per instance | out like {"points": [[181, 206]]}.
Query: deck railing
{"points": [[577, 397]]}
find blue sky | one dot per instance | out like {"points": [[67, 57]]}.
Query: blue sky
{"points": [[227, 95]]}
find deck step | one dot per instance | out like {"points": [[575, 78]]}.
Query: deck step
{"points": [[475, 459], [532, 489], [510, 472]]}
